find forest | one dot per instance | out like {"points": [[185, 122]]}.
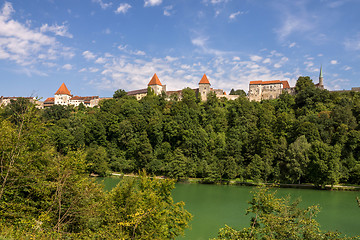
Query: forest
{"points": [[48, 154], [310, 137]]}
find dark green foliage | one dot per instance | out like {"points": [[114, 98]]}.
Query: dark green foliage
{"points": [[239, 92], [312, 136], [119, 93]]}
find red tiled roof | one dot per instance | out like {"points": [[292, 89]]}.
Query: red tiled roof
{"points": [[204, 80], [155, 81], [63, 90], [265, 82], [49, 100], [255, 82], [285, 84]]}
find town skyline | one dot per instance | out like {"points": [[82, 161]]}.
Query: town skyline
{"points": [[99, 46]]}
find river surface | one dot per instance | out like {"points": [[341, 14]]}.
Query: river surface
{"points": [[213, 206]]}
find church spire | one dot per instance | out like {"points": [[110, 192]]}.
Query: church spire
{"points": [[321, 79]]}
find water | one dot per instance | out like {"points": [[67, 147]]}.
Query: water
{"points": [[213, 206]]}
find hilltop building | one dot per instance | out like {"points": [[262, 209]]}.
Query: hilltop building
{"points": [[63, 97], [203, 90], [4, 101], [266, 90]]}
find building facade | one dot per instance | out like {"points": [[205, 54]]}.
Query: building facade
{"points": [[4, 101], [266, 90], [203, 91], [63, 97]]}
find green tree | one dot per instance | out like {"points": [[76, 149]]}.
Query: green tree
{"points": [[297, 160], [119, 93], [142, 208], [280, 219]]}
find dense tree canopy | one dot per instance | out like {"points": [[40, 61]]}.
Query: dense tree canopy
{"points": [[312, 136]]}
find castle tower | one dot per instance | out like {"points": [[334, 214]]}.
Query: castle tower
{"points": [[321, 79], [62, 95], [204, 87], [156, 85]]}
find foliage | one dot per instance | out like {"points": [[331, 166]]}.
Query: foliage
{"points": [[45, 191], [278, 218]]}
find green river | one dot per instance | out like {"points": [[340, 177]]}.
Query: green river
{"points": [[213, 206]]}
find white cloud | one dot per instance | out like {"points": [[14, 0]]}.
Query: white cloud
{"points": [[26, 46], [267, 60], [295, 18], [93, 70], [167, 10], [134, 73], [82, 70], [293, 44], [125, 49], [170, 59], [255, 58], [7, 11], [151, 3], [100, 60], [88, 55], [107, 31], [235, 14], [334, 62], [67, 67], [347, 68], [59, 30], [199, 41], [215, 1], [123, 8], [102, 4]]}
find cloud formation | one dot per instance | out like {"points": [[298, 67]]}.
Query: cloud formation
{"points": [[151, 3], [102, 4], [59, 30], [123, 8], [26, 46], [88, 55], [235, 14]]}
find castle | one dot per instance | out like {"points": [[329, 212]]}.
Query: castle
{"points": [[258, 90], [63, 97], [266, 90], [202, 91]]}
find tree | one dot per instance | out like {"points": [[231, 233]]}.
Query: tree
{"points": [[142, 208], [297, 160], [239, 92], [97, 160], [303, 83], [119, 93], [280, 219]]}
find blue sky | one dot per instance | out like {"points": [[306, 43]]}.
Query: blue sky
{"points": [[99, 46]]}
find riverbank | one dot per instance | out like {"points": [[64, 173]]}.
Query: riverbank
{"points": [[338, 187]]}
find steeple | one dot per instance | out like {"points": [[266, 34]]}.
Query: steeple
{"points": [[204, 80], [155, 81], [321, 79], [63, 90]]}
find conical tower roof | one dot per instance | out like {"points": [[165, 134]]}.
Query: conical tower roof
{"points": [[63, 90], [204, 80], [321, 73], [155, 81]]}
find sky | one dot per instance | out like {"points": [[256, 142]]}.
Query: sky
{"points": [[98, 46]]}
